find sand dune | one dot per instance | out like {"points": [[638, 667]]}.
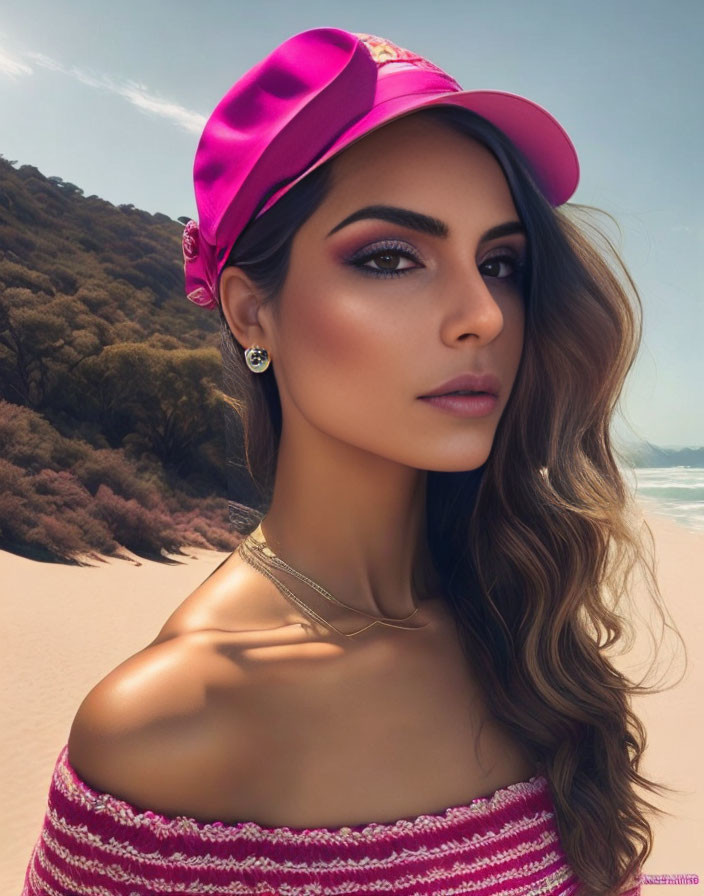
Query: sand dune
{"points": [[66, 627]]}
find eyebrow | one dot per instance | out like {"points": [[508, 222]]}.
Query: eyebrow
{"points": [[423, 223]]}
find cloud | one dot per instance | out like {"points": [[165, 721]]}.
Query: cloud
{"points": [[12, 67], [136, 94], [139, 96], [45, 61]]}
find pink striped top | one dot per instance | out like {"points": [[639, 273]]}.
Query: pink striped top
{"points": [[94, 843]]}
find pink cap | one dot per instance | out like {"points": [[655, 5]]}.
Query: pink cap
{"points": [[309, 99]]}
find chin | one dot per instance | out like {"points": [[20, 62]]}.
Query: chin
{"points": [[463, 463]]}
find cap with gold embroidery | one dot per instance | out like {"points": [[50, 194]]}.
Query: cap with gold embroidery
{"points": [[310, 98]]}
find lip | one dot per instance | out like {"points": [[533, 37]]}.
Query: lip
{"points": [[476, 382], [464, 405]]}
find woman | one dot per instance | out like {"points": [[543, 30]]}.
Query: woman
{"points": [[397, 682]]}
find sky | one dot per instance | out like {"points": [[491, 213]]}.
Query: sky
{"points": [[114, 97]]}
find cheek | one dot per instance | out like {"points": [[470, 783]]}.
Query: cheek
{"points": [[517, 330], [512, 306], [347, 348]]}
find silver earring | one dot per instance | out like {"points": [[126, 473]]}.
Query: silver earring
{"points": [[257, 359]]}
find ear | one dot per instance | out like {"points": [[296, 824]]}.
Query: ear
{"points": [[240, 300]]}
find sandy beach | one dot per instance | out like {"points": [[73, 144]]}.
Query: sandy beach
{"points": [[66, 627]]}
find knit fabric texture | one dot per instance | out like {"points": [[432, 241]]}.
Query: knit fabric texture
{"points": [[94, 844]]}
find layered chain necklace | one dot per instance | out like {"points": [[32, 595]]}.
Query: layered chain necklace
{"points": [[255, 551]]}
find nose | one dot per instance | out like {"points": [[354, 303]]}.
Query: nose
{"points": [[472, 308]]}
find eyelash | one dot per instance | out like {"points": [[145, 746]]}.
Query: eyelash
{"points": [[394, 248]]}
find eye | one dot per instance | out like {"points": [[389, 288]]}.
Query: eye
{"points": [[385, 256], [516, 266]]}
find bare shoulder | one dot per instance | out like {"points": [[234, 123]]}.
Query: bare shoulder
{"points": [[184, 726], [167, 730], [234, 598]]}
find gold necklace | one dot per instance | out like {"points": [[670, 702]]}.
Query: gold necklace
{"points": [[258, 554]]}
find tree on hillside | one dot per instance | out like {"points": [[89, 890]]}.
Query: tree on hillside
{"points": [[41, 340], [155, 400]]}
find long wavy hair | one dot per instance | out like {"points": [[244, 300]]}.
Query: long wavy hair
{"points": [[536, 550]]}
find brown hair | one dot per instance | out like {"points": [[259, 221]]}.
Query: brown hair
{"points": [[536, 550]]}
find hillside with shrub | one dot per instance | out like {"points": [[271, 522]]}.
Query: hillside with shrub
{"points": [[111, 417]]}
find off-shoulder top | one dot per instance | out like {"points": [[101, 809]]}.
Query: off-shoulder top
{"points": [[94, 844]]}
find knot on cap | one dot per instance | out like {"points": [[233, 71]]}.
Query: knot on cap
{"points": [[200, 284], [382, 51], [191, 241]]}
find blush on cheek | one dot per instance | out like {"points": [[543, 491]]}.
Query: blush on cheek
{"points": [[339, 343], [335, 366]]}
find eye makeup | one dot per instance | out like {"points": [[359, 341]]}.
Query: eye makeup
{"points": [[394, 248], [388, 248]]}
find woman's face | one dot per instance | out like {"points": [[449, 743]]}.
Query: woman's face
{"points": [[375, 314]]}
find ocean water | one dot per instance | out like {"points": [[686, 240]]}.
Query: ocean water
{"points": [[674, 491]]}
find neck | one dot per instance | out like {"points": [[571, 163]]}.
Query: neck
{"points": [[355, 524]]}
